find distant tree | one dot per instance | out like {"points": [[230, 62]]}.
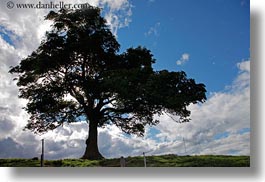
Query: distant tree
{"points": [[77, 74]]}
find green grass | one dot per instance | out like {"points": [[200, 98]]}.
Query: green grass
{"points": [[152, 161], [19, 163]]}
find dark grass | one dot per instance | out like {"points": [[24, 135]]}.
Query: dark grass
{"points": [[152, 161]]}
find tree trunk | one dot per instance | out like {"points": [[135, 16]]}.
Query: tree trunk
{"points": [[92, 151]]}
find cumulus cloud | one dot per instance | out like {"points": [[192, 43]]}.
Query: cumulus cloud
{"points": [[117, 20], [21, 31], [6, 125], [9, 149], [154, 30], [224, 112], [242, 81], [219, 126], [184, 58]]}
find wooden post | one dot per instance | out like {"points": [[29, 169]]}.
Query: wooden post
{"points": [[144, 160], [122, 161], [42, 154]]}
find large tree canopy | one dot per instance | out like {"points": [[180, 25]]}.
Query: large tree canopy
{"points": [[77, 74]]}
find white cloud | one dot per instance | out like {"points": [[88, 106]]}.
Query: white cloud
{"points": [[26, 28], [120, 19], [184, 58], [223, 112], [242, 81], [154, 30], [244, 66]]}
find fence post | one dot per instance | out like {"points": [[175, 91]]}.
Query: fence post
{"points": [[144, 160], [42, 154], [122, 161]]}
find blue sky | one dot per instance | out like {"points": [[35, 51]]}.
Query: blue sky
{"points": [[208, 39], [215, 34]]}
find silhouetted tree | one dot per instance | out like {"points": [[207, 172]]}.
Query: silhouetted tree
{"points": [[77, 74]]}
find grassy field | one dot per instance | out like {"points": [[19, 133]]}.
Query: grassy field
{"points": [[152, 161]]}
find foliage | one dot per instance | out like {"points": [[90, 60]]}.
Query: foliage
{"points": [[77, 74], [152, 161], [79, 59]]}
